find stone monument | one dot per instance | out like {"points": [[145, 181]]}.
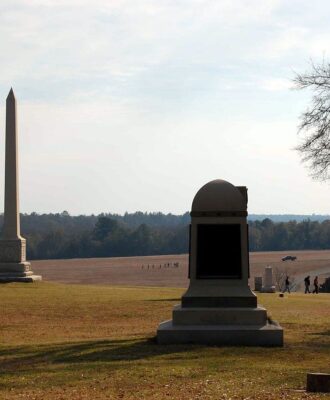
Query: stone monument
{"points": [[13, 264], [257, 283], [268, 286], [219, 306]]}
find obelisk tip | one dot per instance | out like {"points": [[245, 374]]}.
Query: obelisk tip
{"points": [[11, 94]]}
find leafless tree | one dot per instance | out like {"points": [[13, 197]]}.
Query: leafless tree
{"points": [[315, 121], [280, 274]]}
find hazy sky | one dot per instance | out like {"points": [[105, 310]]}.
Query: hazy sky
{"points": [[134, 105]]}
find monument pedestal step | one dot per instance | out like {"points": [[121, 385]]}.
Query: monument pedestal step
{"points": [[19, 278], [9, 268], [219, 316], [226, 335], [17, 272]]}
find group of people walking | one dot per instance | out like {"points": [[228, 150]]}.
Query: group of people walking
{"points": [[307, 281]]}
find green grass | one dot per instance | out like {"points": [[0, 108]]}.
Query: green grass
{"points": [[92, 342]]}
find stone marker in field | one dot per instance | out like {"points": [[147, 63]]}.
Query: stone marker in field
{"points": [[258, 283], [318, 382], [219, 306], [13, 264], [268, 286]]}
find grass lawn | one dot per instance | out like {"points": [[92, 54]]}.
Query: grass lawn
{"points": [[97, 342]]}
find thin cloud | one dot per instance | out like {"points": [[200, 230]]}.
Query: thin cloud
{"points": [[274, 85]]}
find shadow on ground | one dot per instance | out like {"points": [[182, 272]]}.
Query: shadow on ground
{"points": [[324, 333], [319, 340], [103, 351]]}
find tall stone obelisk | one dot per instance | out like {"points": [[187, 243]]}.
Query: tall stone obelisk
{"points": [[13, 264]]}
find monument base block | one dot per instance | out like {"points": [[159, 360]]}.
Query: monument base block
{"points": [[232, 326], [226, 335], [17, 272]]}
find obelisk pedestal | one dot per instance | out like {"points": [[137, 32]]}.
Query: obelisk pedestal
{"points": [[13, 264]]}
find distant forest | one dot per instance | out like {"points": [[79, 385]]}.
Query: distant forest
{"points": [[61, 235]]}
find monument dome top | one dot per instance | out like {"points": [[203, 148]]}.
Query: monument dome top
{"points": [[219, 195]]}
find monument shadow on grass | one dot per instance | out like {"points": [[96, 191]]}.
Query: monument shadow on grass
{"points": [[320, 339], [18, 358], [86, 352]]}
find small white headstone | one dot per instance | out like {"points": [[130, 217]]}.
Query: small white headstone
{"points": [[269, 286]]}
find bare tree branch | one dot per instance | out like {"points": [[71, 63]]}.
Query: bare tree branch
{"points": [[315, 121]]}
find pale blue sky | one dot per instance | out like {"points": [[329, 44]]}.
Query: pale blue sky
{"points": [[134, 105]]}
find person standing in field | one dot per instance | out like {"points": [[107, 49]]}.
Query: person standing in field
{"points": [[287, 285], [307, 281], [316, 285]]}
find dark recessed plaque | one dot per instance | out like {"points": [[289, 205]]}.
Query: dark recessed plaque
{"points": [[219, 251]]}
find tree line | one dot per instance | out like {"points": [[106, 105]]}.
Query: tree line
{"points": [[107, 235], [306, 235], [61, 235]]}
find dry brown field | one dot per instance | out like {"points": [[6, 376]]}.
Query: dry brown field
{"points": [[134, 271], [80, 342]]}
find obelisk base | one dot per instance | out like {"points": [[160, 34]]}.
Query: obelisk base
{"points": [[13, 264], [17, 272]]}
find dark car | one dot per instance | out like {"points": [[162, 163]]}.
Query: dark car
{"points": [[291, 258]]}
